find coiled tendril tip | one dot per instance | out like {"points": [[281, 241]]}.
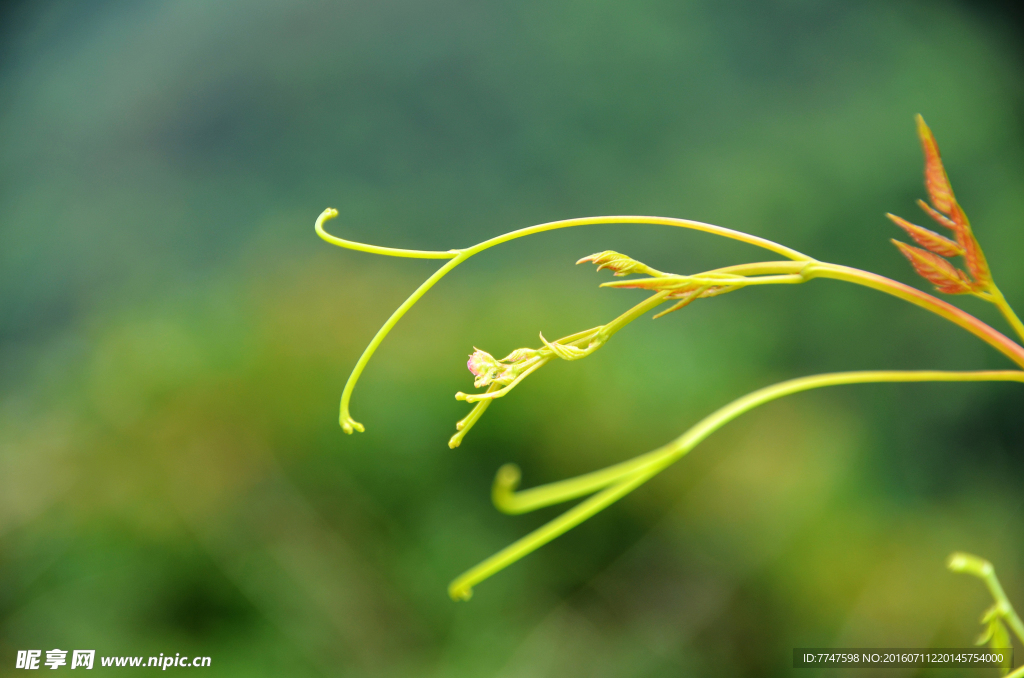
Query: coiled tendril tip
{"points": [[349, 425], [603, 487]]}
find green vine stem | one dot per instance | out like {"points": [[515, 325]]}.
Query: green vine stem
{"points": [[616, 481], [1000, 301], [776, 272], [982, 569], [623, 478], [807, 267], [456, 257], [933, 260], [595, 337], [997, 339]]}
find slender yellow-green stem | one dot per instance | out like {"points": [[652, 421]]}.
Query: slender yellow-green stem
{"points": [[763, 268], [983, 570], [771, 272], [456, 257], [621, 479], [707, 279], [507, 479], [769, 245], [348, 424], [330, 213], [998, 340], [463, 426], [462, 587], [610, 484], [1000, 301], [633, 219], [783, 272], [595, 337], [632, 314]]}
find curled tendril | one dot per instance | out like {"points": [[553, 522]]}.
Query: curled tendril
{"points": [[604, 487], [1001, 614], [608, 485], [457, 256]]}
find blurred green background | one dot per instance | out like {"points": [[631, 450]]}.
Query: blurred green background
{"points": [[175, 337]]}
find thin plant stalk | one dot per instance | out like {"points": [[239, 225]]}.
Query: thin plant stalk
{"points": [[1000, 301], [456, 257], [982, 569], [614, 482], [623, 478], [933, 260]]}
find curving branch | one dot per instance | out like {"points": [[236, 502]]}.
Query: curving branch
{"points": [[613, 483], [932, 261], [456, 257]]}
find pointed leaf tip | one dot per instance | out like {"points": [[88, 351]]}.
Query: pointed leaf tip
{"points": [[619, 264], [939, 217], [935, 179], [930, 240]]}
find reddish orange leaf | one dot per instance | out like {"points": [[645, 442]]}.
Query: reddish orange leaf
{"points": [[930, 240], [935, 179], [973, 256], [936, 270], [939, 217]]}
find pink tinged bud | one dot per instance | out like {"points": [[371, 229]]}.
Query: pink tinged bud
{"points": [[483, 366], [479, 361]]}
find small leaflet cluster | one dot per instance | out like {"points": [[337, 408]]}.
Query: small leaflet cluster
{"points": [[684, 288], [488, 370], [932, 262], [619, 264], [930, 258]]}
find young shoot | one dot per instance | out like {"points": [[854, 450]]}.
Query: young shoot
{"points": [[997, 618], [931, 259]]}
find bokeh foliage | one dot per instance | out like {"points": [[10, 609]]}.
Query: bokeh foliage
{"points": [[174, 337]]}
